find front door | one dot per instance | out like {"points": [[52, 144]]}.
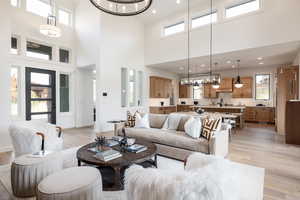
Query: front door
{"points": [[40, 95]]}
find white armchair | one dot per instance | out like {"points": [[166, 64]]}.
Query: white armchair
{"points": [[27, 137]]}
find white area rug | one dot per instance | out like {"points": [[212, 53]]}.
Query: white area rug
{"points": [[163, 163]]}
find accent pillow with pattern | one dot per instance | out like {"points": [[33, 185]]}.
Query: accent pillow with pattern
{"points": [[130, 123], [209, 126]]}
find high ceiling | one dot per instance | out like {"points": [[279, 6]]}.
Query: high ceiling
{"points": [[274, 55]]}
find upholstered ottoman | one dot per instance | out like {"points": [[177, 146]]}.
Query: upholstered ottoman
{"points": [[27, 172], [75, 183]]}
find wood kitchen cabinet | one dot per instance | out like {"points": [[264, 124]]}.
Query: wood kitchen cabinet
{"points": [[185, 91], [260, 114], [246, 90], [225, 85], [185, 108], [209, 92], [163, 109], [160, 87]]}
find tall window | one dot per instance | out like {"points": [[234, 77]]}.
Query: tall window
{"points": [[40, 51], [64, 17], [198, 92], [204, 19], [242, 8], [64, 93], [262, 86], [132, 88], [14, 91], [38, 7], [174, 28]]}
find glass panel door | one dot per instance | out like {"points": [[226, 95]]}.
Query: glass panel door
{"points": [[40, 94]]}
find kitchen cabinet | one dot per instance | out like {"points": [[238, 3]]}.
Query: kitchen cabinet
{"points": [[160, 87], [185, 108], [209, 91], [246, 90], [185, 91], [163, 109], [225, 85], [260, 114]]}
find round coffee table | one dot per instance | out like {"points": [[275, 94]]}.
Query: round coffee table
{"points": [[113, 171]]}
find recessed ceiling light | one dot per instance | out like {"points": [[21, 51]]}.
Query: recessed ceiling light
{"points": [[178, 1], [228, 61], [181, 68], [153, 11], [233, 66], [259, 58], [190, 70], [202, 65], [261, 63]]}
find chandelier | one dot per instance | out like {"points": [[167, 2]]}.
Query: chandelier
{"points": [[122, 7], [50, 29]]}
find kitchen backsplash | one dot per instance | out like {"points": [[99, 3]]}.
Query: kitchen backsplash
{"points": [[156, 102]]}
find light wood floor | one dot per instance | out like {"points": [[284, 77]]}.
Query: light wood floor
{"points": [[256, 145]]}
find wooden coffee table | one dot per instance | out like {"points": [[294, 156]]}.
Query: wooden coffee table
{"points": [[113, 171]]}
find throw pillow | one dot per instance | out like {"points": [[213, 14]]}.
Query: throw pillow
{"points": [[209, 126], [172, 122], [130, 123], [193, 127], [142, 121]]}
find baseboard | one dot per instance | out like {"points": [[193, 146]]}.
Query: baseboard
{"points": [[6, 149]]}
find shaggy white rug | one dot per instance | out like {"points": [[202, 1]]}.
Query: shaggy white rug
{"points": [[163, 163]]}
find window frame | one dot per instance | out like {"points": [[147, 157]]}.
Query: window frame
{"points": [[215, 11], [269, 87], [53, 55], [70, 16], [70, 92], [239, 3], [18, 49], [172, 25], [70, 55]]}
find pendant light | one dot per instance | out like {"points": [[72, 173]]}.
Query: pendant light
{"points": [[238, 83], [50, 29], [216, 83]]}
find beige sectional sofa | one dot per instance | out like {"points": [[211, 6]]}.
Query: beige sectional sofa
{"points": [[177, 144]]}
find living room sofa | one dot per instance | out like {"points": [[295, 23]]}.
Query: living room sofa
{"points": [[177, 144]]}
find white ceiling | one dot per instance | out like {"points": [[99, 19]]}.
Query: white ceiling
{"points": [[274, 55]]}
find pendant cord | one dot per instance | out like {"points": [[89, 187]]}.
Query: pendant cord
{"points": [[211, 39], [188, 40]]}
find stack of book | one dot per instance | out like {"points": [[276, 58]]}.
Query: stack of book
{"points": [[108, 155], [136, 148]]}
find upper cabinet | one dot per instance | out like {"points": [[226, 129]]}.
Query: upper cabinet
{"points": [[246, 90], [160, 87], [209, 91], [185, 91], [225, 85]]}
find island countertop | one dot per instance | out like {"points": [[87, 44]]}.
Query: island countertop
{"points": [[221, 107]]}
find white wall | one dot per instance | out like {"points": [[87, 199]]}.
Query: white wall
{"points": [[4, 74], [227, 97], [277, 22]]}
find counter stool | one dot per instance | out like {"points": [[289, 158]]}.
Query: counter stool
{"points": [[27, 172], [75, 183]]}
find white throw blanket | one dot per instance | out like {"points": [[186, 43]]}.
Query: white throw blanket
{"points": [[215, 181]]}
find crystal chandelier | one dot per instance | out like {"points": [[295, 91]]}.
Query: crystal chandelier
{"points": [[122, 7], [50, 29]]}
